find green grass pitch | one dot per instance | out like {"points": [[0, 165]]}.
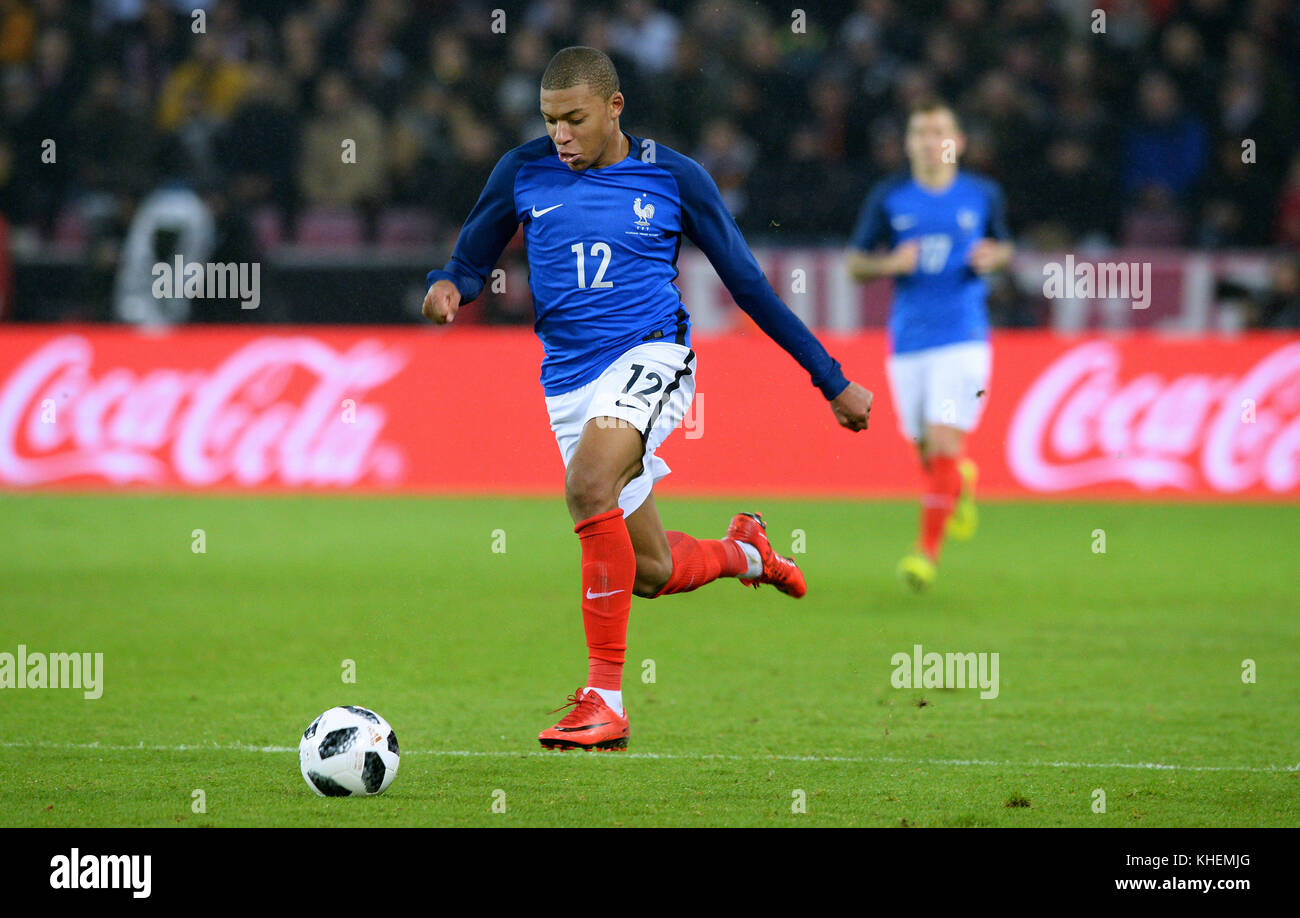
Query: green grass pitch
{"points": [[1119, 672]]}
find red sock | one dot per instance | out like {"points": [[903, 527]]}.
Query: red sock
{"points": [[944, 487], [608, 574], [700, 561]]}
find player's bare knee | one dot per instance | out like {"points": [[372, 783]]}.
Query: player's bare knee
{"points": [[941, 442], [588, 493]]}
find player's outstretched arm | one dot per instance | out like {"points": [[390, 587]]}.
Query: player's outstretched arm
{"points": [[707, 222]]}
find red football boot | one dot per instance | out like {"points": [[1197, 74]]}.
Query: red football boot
{"points": [[779, 571], [592, 724]]}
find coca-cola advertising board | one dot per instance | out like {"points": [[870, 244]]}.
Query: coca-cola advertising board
{"points": [[443, 410]]}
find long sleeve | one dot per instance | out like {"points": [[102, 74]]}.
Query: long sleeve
{"points": [[488, 230], [998, 228], [709, 224], [872, 227]]}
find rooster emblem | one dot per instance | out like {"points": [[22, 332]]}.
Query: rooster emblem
{"points": [[643, 213]]}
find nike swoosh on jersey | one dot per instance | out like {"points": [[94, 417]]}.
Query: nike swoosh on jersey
{"points": [[538, 213], [591, 595]]}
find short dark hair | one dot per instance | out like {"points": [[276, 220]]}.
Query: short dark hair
{"points": [[579, 64], [933, 104]]}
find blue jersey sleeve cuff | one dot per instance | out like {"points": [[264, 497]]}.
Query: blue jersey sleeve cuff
{"points": [[436, 275], [467, 293], [834, 383]]}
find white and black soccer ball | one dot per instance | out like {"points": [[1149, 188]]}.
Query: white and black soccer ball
{"points": [[348, 752]]}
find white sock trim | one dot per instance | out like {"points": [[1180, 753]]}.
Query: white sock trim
{"points": [[612, 698], [754, 558]]}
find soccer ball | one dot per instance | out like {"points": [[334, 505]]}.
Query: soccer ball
{"points": [[348, 752]]}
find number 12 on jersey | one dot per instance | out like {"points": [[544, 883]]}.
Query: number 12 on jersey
{"points": [[597, 249]]}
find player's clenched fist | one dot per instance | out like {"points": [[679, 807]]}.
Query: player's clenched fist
{"points": [[441, 302], [852, 407], [988, 255], [905, 256]]}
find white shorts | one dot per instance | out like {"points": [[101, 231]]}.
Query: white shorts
{"points": [[650, 388], [940, 385]]}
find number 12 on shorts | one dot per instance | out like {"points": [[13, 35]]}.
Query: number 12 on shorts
{"points": [[641, 395]]}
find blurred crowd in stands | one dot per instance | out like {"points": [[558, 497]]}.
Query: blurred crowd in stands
{"points": [[1116, 122]]}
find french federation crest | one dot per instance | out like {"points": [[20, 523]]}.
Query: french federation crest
{"points": [[967, 219], [643, 212]]}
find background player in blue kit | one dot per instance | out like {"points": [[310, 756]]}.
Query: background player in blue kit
{"points": [[604, 214], [944, 229]]}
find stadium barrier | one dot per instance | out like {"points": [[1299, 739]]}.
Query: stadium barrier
{"points": [[382, 409], [374, 286]]}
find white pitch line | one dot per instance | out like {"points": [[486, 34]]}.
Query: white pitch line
{"points": [[692, 757]]}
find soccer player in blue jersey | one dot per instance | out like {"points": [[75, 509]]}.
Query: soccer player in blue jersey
{"points": [[937, 231], [604, 214]]}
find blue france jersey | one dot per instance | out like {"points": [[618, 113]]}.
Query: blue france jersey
{"points": [[943, 302], [602, 257]]}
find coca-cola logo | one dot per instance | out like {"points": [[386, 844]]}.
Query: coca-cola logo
{"points": [[275, 411], [1080, 424]]}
